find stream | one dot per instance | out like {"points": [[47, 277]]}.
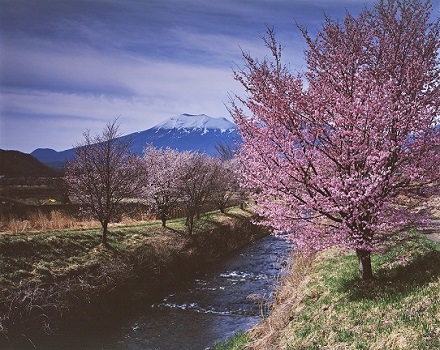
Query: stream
{"points": [[223, 299]]}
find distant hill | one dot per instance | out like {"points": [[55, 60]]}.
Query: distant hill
{"points": [[19, 164], [186, 132], [53, 159]]}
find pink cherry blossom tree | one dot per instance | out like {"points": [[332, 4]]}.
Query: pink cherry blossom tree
{"points": [[103, 174], [329, 154], [162, 169]]}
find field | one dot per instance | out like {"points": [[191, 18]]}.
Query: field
{"points": [[49, 257]]}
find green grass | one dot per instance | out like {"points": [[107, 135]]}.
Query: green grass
{"points": [[31, 256], [326, 305], [399, 307], [237, 342]]}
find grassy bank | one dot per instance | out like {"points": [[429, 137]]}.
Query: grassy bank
{"points": [[323, 305], [50, 279]]}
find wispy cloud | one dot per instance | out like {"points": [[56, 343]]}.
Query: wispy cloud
{"points": [[49, 85], [67, 66]]}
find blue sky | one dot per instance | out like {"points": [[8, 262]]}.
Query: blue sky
{"points": [[67, 66]]}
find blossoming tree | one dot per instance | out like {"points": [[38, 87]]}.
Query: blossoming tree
{"points": [[161, 186], [103, 174], [329, 154], [224, 182]]}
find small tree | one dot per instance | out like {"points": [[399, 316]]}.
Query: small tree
{"points": [[328, 154], [102, 174], [195, 185], [224, 182], [162, 171]]}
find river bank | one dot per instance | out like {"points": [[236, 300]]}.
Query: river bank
{"points": [[53, 279], [322, 304]]}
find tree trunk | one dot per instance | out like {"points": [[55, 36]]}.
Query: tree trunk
{"points": [[104, 232], [365, 271], [163, 214], [190, 224]]}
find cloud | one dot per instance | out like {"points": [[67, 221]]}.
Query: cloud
{"points": [[67, 66], [50, 67], [83, 91]]}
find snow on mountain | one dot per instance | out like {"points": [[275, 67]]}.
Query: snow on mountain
{"points": [[196, 122], [186, 132]]}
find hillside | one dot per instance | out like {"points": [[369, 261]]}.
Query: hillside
{"points": [[18, 164]]}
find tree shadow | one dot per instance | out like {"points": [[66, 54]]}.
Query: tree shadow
{"points": [[232, 215], [108, 246], [179, 232], [397, 281]]}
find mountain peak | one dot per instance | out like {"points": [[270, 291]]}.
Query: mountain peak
{"points": [[185, 132], [195, 121]]}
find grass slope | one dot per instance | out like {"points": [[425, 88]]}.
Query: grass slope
{"points": [[49, 278], [323, 305]]}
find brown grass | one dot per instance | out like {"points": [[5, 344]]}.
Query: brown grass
{"points": [[287, 304], [39, 221], [57, 220]]}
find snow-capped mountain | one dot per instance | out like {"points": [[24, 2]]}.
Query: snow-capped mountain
{"points": [[185, 132], [196, 122]]}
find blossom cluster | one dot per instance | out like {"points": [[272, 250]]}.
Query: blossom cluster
{"points": [[330, 155]]}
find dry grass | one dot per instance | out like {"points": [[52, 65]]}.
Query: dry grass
{"points": [[287, 304], [57, 220], [39, 221]]}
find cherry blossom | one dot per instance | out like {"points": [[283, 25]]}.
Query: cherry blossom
{"points": [[329, 155]]}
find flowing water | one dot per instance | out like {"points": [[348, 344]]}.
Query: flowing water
{"points": [[229, 297]]}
